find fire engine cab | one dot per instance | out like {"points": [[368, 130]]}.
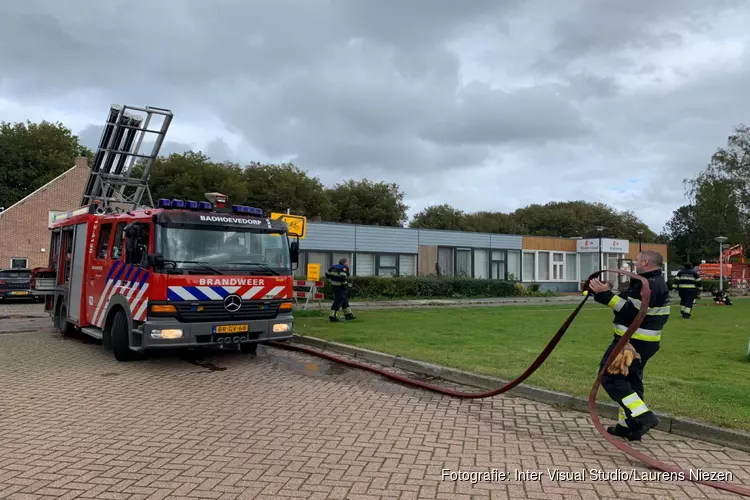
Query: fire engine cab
{"points": [[183, 274]]}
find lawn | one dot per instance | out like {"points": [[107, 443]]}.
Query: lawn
{"points": [[701, 371]]}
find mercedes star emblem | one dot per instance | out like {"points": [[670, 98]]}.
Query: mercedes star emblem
{"points": [[232, 303]]}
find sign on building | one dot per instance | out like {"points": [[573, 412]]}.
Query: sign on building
{"points": [[609, 245]]}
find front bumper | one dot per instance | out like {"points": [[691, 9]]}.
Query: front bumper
{"points": [[16, 294], [205, 334]]}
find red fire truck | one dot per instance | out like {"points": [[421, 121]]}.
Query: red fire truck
{"points": [[183, 274]]}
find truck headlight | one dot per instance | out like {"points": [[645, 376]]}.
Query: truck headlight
{"points": [[173, 333], [282, 327]]}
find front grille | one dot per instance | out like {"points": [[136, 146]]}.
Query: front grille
{"points": [[16, 286], [214, 311]]}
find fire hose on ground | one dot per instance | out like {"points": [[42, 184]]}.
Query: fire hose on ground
{"points": [[645, 300]]}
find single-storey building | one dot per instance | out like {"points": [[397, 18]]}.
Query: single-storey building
{"points": [[24, 233], [558, 264]]}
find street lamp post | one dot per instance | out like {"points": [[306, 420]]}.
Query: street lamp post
{"points": [[721, 240], [600, 229], [640, 244]]}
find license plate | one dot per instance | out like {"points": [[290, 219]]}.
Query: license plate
{"points": [[19, 293], [231, 329]]}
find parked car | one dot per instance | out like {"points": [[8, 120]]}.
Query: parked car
{"points": [[15, 284]]}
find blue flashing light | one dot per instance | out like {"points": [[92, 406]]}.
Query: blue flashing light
{"points": [[178, 203], [254, 211], [191, 205], [236, 208], [205, 205], [163, 203]]}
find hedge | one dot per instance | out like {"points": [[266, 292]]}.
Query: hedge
{"points": [[416, 287]]}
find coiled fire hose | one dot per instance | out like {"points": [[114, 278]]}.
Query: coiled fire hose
{"points": [[645, 300]]}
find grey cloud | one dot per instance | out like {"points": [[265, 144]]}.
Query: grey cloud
{"points": [[358, 88], [91, 135]]}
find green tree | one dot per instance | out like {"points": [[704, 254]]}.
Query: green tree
{"points": [[368, 202], [190, 175], [32, 154], [440, 217], [721, 196], [280, 187], [681, 232], [580, 218]]}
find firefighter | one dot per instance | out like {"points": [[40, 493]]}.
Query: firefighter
{"points": [[623, 380], [688, 284], [721, 298], [338, 274]]}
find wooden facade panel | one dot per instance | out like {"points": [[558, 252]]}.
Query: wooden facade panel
{"points": [[428, 257], [548, 243], [633, 253]]}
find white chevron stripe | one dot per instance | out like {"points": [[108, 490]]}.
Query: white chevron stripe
{"points": [[231, 289], [250, 293], [141, 311], [110, 290], [184, 294], [99, 305], [274, 292], [209, 292]]}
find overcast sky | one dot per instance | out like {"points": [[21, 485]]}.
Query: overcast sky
{"points": [[481, 104]]}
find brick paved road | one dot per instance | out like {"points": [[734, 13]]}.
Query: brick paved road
{"points": [[22, 308], [74, 423]]}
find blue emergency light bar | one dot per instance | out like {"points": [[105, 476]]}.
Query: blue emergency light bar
{"points": [[191, 205], [163, 203], [178, 203], [244, 209], [205, 205]]}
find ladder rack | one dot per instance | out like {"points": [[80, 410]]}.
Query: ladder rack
{"points": [[112, 181]]}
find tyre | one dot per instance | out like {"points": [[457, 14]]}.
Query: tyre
{"points": [[249, 348], [120, 338], [63, 326]]}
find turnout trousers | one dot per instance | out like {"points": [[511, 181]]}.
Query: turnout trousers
{"points": [[687, 300], [627, 391], [340, 298]]}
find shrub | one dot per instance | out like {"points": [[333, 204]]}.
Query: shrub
{"points": [[426, 287]]}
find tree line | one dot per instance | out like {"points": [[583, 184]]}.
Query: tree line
{"points": [[32, 154]]}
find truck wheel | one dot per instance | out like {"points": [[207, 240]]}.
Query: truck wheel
{"points": [[63, 325], [249, 348], [120, 338]]}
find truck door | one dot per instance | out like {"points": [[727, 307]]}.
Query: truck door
{"points": [[100, 264]]}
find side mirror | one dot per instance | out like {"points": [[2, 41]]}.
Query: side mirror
{"points": [[155, 260], [294, 252]]}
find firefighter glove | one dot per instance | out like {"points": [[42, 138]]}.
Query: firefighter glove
{"points": [[621, 364]]}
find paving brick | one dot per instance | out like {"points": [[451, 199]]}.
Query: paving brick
{"points": [[279, 426]]}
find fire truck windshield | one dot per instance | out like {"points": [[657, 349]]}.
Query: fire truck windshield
{"points": [[223, 250]]}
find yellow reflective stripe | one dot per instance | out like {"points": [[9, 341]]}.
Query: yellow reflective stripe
{"points": [[652, 311], [685, 286], [621, 417], [616, 303], [686, 277], [635, 405], [640, 334]]}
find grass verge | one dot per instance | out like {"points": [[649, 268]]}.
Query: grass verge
{"points": [[701, 371]]}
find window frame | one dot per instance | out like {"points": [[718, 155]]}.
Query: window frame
{"points": [[551, 265], [25, 259]]}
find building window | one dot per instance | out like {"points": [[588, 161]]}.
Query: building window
{"points": [[445, 261], [529, 266], [463, 262], [407, 265], [497, 265], [514, 265], [337, 256], [320, 258], [543, 267], [558, 263], [19, 263], [588, 265], [571, 269], [481, 263], [365, 264], [387, 265]]}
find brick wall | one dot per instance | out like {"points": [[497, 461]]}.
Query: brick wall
{"points": [[23, 227]]}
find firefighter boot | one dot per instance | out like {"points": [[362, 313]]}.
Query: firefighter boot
{"points": [[333, 318], [621, 429], [642, 424], [348, 314]]}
